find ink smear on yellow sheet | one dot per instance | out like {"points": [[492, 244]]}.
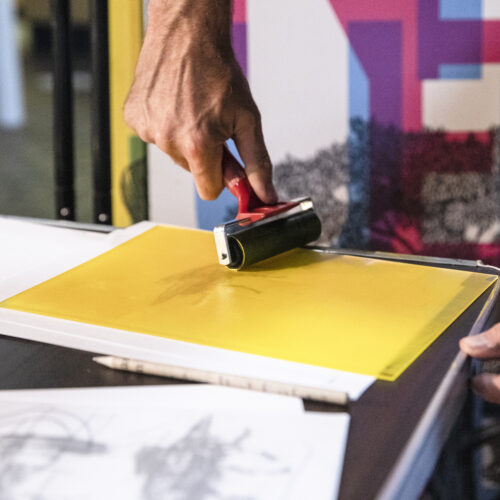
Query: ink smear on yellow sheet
{"points": [[348, 313]]}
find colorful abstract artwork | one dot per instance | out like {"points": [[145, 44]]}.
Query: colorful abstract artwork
{"points": [[431, 174], [422, 154]]}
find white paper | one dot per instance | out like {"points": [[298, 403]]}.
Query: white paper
{"points": [[55, 450], [187, 396], [31, 253], [141, 346], [126, 344]]}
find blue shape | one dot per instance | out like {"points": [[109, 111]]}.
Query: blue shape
{"points": [[359, 89], [212, 213], [232, 148], [460, 71], [355, 232], [223, 209], [460, 9]]}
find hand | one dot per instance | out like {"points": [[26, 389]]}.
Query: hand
{"points": [[485, 346], [189, 95]]}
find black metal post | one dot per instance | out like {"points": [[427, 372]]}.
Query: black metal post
{"points": [[63, 111], [101, 154]]}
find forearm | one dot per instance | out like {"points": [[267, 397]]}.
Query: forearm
{"points": [[207, 21], [182, 35]]}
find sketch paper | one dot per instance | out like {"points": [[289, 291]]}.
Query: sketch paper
{"points": [[54, 451], [336, 312]]}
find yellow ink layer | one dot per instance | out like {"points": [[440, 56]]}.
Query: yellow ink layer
{"points": [[349, 313]]}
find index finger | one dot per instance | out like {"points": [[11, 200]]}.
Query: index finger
{"points": [[250, 143], [206, 166]]}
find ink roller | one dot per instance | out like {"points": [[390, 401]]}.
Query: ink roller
{"points": [[261, 231]]}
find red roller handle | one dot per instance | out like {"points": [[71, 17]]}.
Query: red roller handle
{"points": [[250, 205]]}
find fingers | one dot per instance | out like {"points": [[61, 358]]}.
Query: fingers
{"points": [[487, 385], [258, 167], [486, 345], [483, 346], [205, 163]]}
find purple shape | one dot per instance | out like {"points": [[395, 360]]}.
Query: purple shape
{"points": [[445, 42], [240, 44], [379, 49], [378, 45]]}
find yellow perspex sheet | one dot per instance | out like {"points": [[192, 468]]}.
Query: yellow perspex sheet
{"points": [[361, 315]]}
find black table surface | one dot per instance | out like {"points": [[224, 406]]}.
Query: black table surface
{"points": [[382, 420]]}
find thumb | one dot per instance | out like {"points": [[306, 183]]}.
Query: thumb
{"points": [[486, 345], [250, 143]]}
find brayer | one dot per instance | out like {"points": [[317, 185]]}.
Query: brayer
{"points": [[261, 231]]}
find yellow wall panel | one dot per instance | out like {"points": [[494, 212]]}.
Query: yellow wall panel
{"points": [[125, 39]]}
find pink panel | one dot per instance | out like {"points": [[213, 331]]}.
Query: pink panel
{"points": [[491, 41], [239, 11], [368, 10]]}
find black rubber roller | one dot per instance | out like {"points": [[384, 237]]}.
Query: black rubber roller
{"points": [[260, 242]]}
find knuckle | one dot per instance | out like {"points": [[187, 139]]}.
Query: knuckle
{"points": [[131, 113], [248, 117], [252, 119], [136, 122], [129, 116], [254, 113], [144, 135], [160, 139], [163, 139], [257, 116], [194, 147]]}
